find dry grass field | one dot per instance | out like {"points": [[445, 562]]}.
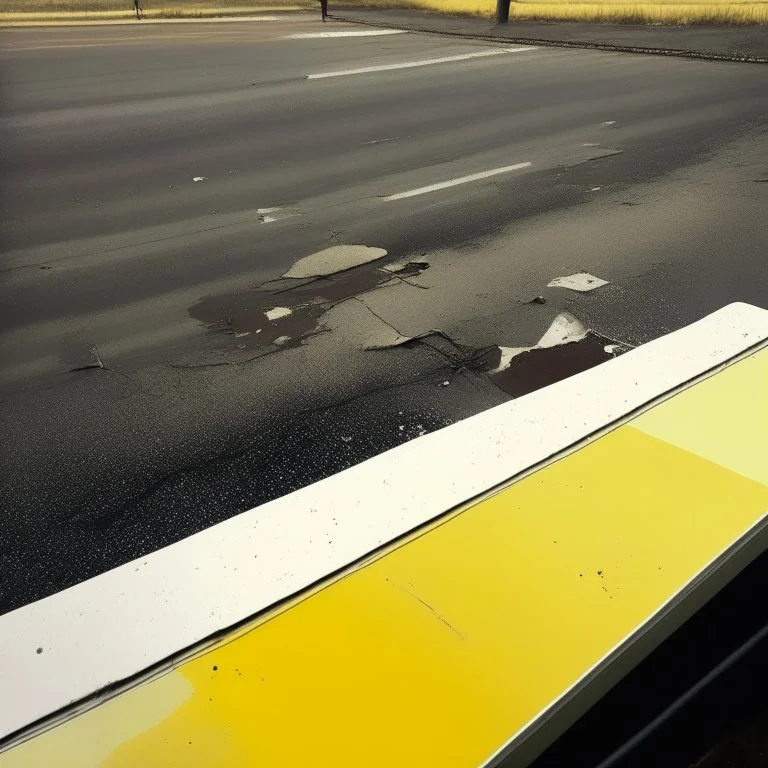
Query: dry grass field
{"points": [[626, 11]]}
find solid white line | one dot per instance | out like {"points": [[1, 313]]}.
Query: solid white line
{"points": [[455, 182], [117, 624], [349, 33], [422, 63]]}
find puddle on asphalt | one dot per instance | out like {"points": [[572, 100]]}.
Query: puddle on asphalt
{"points": [[541, 366], [286, 311]]}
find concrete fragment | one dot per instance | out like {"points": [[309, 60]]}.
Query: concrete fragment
{"points": [[580, 281], [335, 259]]}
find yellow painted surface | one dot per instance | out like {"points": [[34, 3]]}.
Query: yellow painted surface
{"points": [[87, 742], [439, 651], [723, 419]]}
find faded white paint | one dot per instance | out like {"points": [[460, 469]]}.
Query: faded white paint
{"points": [[119, 623], [422, 63], [344, 33], [277, 312], [280, 340], [565, 329], [335, 259], [380, 141], [580, 281], [199, 178], [457, 181]]}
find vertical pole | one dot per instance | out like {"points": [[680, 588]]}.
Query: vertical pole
{"points": [[502, 11]]}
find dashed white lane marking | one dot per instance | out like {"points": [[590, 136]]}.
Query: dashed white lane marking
{"points": [[422, 63], [344, 33], [459, 180]]}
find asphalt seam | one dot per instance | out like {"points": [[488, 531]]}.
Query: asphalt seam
{"points": [[733, 57]]}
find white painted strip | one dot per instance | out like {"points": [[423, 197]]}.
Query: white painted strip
{"points": [[422, 63], [345, 33], [123, 621], [459, 180]]}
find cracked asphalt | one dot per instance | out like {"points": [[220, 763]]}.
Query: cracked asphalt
{"points": [[145, 394]]}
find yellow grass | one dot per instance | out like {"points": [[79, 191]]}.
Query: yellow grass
{"points": [[167, 12], [647, 13], [110, 8], [628, 11]]}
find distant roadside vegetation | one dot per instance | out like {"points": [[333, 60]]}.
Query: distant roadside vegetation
{"points": [[56, 10], [626, 11]]}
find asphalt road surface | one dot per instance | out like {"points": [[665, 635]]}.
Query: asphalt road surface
{"points": [[158, 180]]}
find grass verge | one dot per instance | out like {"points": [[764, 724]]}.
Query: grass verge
{"points": [[116, 10], [627, 12]]}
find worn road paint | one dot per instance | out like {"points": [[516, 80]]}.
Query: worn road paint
{"points": [[355, 33], [379, 141], [457, 181], [581, 281], [278, 312], [114, 626], [422, 63], [332, 260]]}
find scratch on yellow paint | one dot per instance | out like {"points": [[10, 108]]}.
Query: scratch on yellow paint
{"points": [[723, 419], [87, 741]]}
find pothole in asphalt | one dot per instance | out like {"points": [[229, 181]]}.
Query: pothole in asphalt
{"points": [[284, 312], [539, 367], [567, 347]]}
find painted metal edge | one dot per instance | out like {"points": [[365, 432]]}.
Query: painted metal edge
{"points": [[118, 624], [553, 720]]}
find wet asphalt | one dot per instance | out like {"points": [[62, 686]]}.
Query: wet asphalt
{"points": [[144, 395]]}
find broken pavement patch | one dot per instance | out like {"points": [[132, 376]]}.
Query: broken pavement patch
{"points": [[284, 312], [335, 259], [566, 348]]}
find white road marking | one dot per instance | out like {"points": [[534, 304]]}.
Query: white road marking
{"points": [[422, 63], [455, 182], [346, 33], [379, 141]]}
